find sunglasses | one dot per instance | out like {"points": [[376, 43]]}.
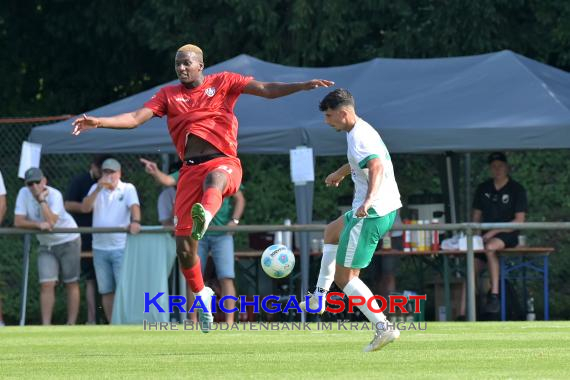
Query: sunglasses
{"points": [[32, 183]]}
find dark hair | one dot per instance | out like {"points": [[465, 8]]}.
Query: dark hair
{"points": [[100, 158], [337, 98], [497, 156]]}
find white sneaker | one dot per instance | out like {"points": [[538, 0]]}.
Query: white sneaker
{"points": [[205, 319], [382, 338], [314, 303]]}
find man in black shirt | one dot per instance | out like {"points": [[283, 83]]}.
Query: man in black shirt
{"points": [[78, 189], [498, 200]]}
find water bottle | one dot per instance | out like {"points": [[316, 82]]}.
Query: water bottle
{"points": [[435, 237], [387, 241], [407, 238], [530, 315]]}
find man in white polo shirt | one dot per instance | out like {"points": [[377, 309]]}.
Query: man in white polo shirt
{"points": [[40, 207], [114, 204]]}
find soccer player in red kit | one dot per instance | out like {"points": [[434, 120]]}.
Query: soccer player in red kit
{"points": [[202, 124]]}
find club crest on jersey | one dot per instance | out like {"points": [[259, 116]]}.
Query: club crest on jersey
{"points": [[210, 91], [506, 198]]}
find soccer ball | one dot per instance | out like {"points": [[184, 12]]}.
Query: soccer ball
{"points": [[277, 261]]}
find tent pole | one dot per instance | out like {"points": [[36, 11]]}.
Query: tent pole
{"points": [[453, 215], [467, 187], [470, 275], [450, 188], [165, 162], [304, 202], [470, 257]]}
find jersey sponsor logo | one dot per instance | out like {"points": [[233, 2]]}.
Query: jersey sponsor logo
{"points": [[224, 167], [505, 198], [182, 99], [211, 91]]}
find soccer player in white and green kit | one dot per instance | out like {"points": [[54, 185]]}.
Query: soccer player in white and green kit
{"points": [[350, 241]]}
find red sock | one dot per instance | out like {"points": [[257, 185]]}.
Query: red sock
{"points": [[194, 277], [212, 200]]}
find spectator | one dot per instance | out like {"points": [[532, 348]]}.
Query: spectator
{"points": [[497, 200], [219, 244], [165, 206], [40, 207], [77, 190], [2, 214], [114, 204]]}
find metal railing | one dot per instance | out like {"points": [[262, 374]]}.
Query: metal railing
{"points": [[468, 228]]}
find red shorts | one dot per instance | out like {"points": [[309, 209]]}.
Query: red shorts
{"points": [[190, 188]]}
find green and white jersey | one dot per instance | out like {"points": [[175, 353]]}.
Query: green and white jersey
{"points": [[364, 144]]}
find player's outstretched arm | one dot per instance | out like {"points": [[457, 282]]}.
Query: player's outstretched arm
{"points": [[272, 90], [123, 121]]}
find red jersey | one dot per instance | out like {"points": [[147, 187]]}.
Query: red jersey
{"points": [[206, 111]]}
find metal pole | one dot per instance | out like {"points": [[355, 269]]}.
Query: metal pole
{"points": [[451, 189], [165, 159], [25, 274], [471, 315], [467, 187], [446, 288], [302, 201]]}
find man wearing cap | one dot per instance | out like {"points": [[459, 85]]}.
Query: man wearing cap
{"points": [[79, 188], [500, 199], [114, 204], [40, 207]]}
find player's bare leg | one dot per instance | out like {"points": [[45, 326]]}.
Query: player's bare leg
{"points": [[187, 252]]}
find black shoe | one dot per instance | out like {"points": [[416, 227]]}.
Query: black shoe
{"points": [[493, 305]]}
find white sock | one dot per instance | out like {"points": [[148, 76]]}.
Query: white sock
{"points": [[328, 266], [203, 293], [209, 218], [356, 287]]}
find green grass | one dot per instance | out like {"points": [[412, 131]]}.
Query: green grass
{"points": [[514, 350]]}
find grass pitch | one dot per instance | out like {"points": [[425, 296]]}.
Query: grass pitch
{"points": [[517, 350]]}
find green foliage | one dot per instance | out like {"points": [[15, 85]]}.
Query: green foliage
{"points": [[94, 53]]}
